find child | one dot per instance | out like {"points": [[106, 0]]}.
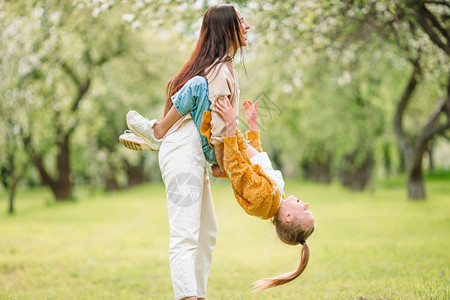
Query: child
{"points": [[259, 188]]}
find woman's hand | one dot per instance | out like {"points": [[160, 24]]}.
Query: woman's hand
{"points": [[250, 111], [228, 114]]}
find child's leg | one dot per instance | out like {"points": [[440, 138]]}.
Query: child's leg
{"points": [[190, 98]]}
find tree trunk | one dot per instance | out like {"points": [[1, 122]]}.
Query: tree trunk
{"points": [[356, 175], [416, 186], [63, 184], [387, 161], [409, 156], [317, 170], [12, 194], [413, 151], [11, 201], [62, 192], [112, 184], [110, 180], [136, 173], [413, 157], [10, 179], [430, 156]]}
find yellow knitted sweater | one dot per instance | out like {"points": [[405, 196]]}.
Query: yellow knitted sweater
{"points": [[254, 190]]}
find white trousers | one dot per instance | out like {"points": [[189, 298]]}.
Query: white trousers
{"points": [[193, 226]]}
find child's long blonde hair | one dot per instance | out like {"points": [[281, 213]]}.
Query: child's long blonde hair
{"points": [[291, 233]]}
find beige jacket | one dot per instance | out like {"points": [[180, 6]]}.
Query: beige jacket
{"points": [[222, 81]]}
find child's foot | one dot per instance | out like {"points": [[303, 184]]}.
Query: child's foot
{"points": [[143, 127], [133, 142]]}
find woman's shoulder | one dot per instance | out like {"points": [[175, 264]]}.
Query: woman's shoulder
{"points": [[223, 69]]}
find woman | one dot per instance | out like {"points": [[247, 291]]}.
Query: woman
{"points": [[192, 219]]}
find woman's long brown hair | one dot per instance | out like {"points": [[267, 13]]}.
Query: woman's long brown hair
{"points": [[220, 33]]}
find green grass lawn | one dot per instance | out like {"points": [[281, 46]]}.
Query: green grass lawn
{"points": [[371, 245]]}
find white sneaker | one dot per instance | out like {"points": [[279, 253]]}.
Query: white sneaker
{"points": [[143, 127], [133, 142]]}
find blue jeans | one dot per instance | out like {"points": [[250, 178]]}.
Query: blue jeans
{"points": [[193, 98]]}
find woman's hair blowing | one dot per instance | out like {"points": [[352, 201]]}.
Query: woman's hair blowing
{"points": [[291, 233], [219, 35]]}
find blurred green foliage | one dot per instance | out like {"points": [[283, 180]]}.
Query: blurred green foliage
{"points": [[328, 75]]}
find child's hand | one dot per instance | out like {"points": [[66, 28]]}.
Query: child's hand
{"points": [[216, 171], [250, 111], [228, 114]]}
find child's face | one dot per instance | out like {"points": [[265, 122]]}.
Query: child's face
{"points": [[298, 209]]}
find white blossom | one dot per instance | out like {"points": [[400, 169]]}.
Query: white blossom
{"points": [[128, 17], [345, 79]]}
